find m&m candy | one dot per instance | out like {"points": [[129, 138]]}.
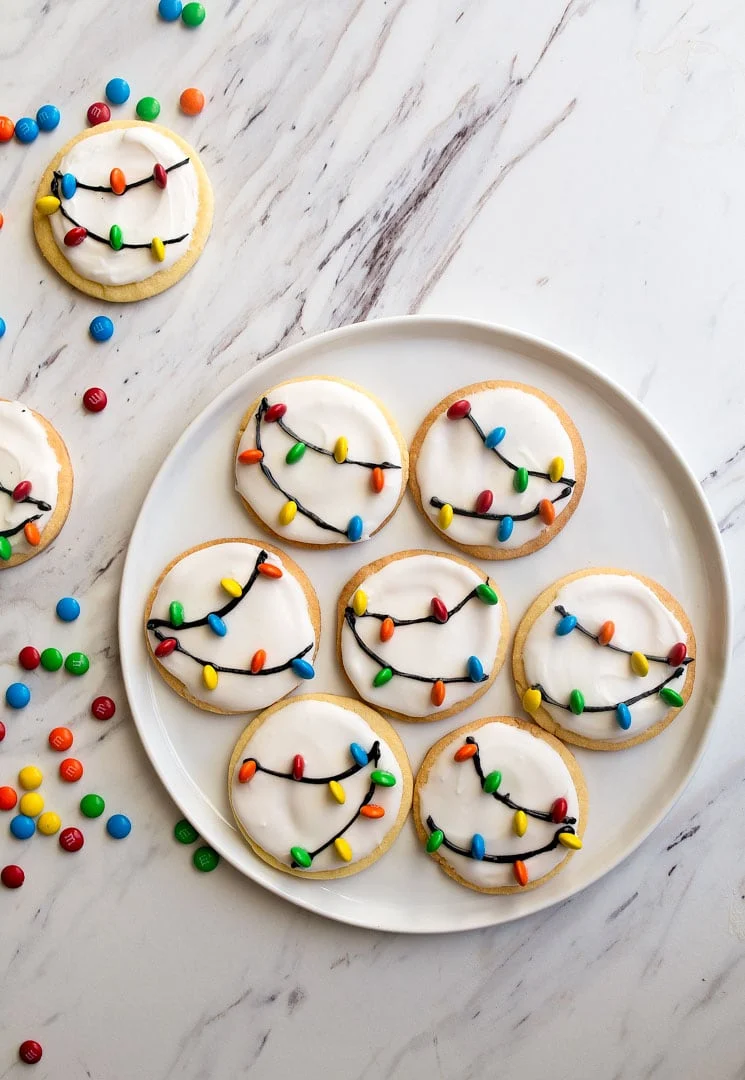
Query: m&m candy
{"points": [[193, 14], [117, 91], [60, 738], [29, 658], [26, 130], [68, 609], [205, 859], [191, 101], [102, 708], [2, 326], [98, 113], [71, 839], [30, 1051], [77, 663], [2, 731], [170, 10], [92, 806], [8, 798], [94, 399], [30, 777], [71, 770], [48, 117], [49, 823], [51, 659], [185, 832], [31, 804], [22, 826], [18, 695], [148, 108], [118, 826], [12, 876], [7, 127], [101, 328]]}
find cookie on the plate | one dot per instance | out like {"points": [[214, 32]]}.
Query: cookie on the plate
{"points": [[498, 469], [320, 786], [604, 659], [233, 625], [500, 805], [35, 483], [124, 210], [421, 634], [320, 462]]}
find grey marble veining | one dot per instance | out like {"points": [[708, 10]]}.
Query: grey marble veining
{"points": [[571, 169]]}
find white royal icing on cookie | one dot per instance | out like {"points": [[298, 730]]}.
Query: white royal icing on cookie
{"points": [[25, 454], [533, 775], [280, 814], [142, 213], [404, 588], [274, 616], [320, 411], [562, 664], [454, 466]]}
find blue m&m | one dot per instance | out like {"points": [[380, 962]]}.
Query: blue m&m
{"points": [[18, 695], [504, 532], [170, 10], [26, 129], [118, 826], [354, 528], [358, 753], [68, 185], [565, 625], [216, 625], [2, 326], [475, 669], [48, 117], [302, 668], [22, 826], [117, 90], [101, 328], [68, 609]]}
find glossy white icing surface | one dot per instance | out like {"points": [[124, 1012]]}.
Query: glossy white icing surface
{"points": [[142, 213], [533, 775], [274, 617], [454, 465], [280, 814], [561, 664], [319, 411], [404, 589], [25, 454]]}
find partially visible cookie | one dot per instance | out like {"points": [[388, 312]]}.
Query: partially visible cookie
{"points": [[604, 659], [421, 634], [233, 625], [498, 469], [500, 805], [35, 483], [124, 210], [320, 462], [320, 786]]}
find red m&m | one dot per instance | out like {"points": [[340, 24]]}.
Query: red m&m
{"points": [[8, 798], [71, 839], [98, 113], [29, 657], [94, 399], [677, 654], [275, 412], [30, 1052], [12, 876], [22, 490], [459, 409], [102, 708]]}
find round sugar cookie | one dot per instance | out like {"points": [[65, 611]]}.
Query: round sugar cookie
{"points": [[604, 659], [319, 786], [421, 634], [498, 469], [32, 454], [124, 210], [500, 805], [233, 625], [320, 462]]}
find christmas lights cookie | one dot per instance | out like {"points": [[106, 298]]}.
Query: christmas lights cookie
{"points": [[320, 786], [233, 625], [421, 634], [604, 659], [124, 210], [35, 483], [500, 805], [320, 462], [498, 469]]}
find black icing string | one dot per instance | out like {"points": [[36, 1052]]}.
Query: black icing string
{"points": [[561, 610], [154, 626], [518, 857], [349, 824], [608, 708], [372, 755], [26, 499], [330, 453], [127, 187], [350, 617], [18, 528], [540, 815], [488, 516], [510, 464]]}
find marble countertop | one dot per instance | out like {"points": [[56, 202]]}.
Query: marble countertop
{"points": [[571, 169]]}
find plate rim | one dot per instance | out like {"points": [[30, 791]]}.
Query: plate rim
{"points": [[402, 323]]}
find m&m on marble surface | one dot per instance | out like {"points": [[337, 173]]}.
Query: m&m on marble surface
{"points": [[49, 823], [118, 826], [95, 399], [22, 826], [185, 832], [48, 117], [30, 1051], [101, 328], [68, 609], [26, 130], [8, 797], [98, 113], [2, 326], [148, 108], [92, 806], [60, 738], [117, 91], [29, 658], [193, 14], [170, 10], [30, 777], [2, 731], [31, 804], [191, 101], [7, 127], [71, 839], [51, 659], [205, 859], [71, 770], [12, 876], [18, 695], [77, 663], [103, 708]]}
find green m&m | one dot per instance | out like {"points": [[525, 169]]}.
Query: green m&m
{"points": [[92, 806], [77, 663], [185, 832], [193, 14], [51, 659], [205, 859], [5, 549], [148, 108]]}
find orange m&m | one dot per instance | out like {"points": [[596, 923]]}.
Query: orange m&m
{"points": [[60, 738], [7, 127], [71, 770], [191, 101], [463, 753]]}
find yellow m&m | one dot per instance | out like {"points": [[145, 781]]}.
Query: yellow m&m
{"points": [[31, 804], [30, 778], [49, 823], [532, 701]]}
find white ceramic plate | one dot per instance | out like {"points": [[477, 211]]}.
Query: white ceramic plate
{"points": [[642, 509]]}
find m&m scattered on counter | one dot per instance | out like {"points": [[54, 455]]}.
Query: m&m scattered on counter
{"points": [[191, 101], [7, 127], [205, 859], [71, 839], [30, 1052], [92, 806], [12, 876], [98, 113], [51, 659], [18, 695], [8, 798], [102, 708], [117, 91], [29, 658], [30, 777], [95, 399], [22, 826], [68, 609], [118, 826], [49, 823], [48, 117], [71, 770], [26, 130], [101, 328], [148, 108]]}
